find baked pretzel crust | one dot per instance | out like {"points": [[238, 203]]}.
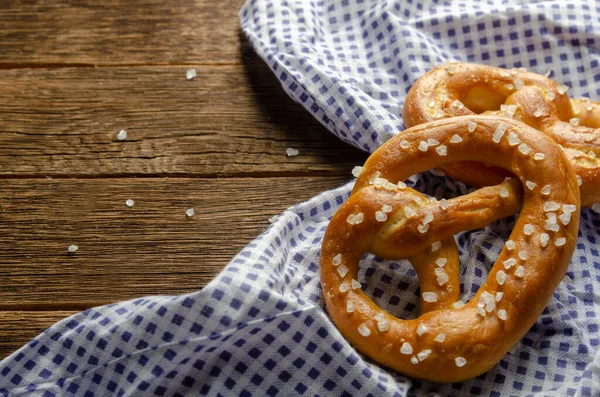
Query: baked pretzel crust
{"points": [[460, 89], [448, 343]]}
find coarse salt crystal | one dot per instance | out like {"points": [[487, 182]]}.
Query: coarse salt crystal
{"points": [[355, 284], [510, 262], [404, 144], [337, 260], [406, 348], [499, 296], [522, 255], [546, 190], [502, 314], [442, 150], [291, 152], [574, 121], [455, 139], [342, 270], [565, 218], [442, 277], [501, 277], [551, 206], [544, 238], [383, 325], [190, 212], [503, 192], [579, 181], [552, 226], [561, 89], [441, 262], [364, 330], [190, 74], [409, 212], [436, 246], [499, 132], [344, 287], [530, 185], [458, 304], [510, 245], [430, 297], [528, 229], [560, 241], [440, 337], [432, 142], [520, 271], [538, 113], [355, 219], [522, 69], [350, 307], [129, 203], [122, 135], [518, 84], [539, 156], [510, 87], [460, 361], [72, 248], [431, 104], [423, 146], [513, 139], [401, 185], [428, 218], [596, 208], [524, 149], [458, 104], [444, 204], [386, 208], [273, 218], [421, 329], [356, 171], [422, 355], [423, 228], [471, 126], [551, 96], [414, 360], [380, 216]]}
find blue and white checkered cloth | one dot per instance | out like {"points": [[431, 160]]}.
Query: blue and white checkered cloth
{"points": [[260, 327]]}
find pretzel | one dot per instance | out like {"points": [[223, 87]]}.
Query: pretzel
{"points": [[450, 343], [461, 89]]}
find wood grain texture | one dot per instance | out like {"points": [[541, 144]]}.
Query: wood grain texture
{"points": [[230, 120], [89, 32], [19, 327], [151, 248]]}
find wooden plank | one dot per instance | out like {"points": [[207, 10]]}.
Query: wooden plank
{"points": [[230, 120], [17, 328], [88, 32], [151, 248]]}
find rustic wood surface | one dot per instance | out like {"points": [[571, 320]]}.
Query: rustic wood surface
{"points": [[72, 74]]}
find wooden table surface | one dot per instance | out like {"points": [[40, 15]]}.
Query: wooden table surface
{"points": [[74, 73]]}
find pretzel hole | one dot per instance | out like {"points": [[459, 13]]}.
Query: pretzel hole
{"points": [[391, 284], [481, 98]]}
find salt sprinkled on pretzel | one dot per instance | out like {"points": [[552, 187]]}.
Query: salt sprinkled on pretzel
{"points": [[527, 97], [452, 341]]}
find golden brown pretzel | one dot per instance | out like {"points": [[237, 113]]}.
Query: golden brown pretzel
{"points": [[461, 89], [448, 343]]}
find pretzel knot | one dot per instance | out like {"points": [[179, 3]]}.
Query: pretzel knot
{"points": [[460, 89], [450, 341]]}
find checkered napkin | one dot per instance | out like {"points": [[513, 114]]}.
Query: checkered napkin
{"points": [[260, 327]]}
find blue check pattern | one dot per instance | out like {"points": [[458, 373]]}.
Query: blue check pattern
{"points": [[260, 327]]}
